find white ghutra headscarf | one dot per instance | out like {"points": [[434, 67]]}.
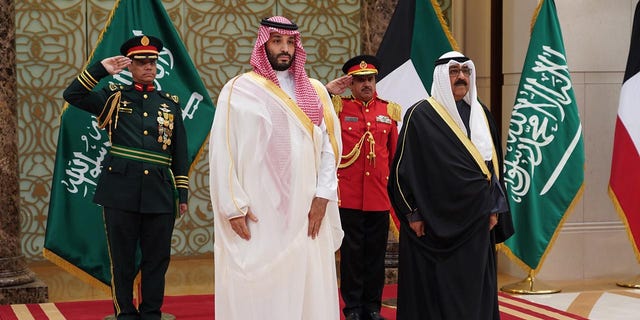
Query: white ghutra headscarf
{"points": [[441, 91]]}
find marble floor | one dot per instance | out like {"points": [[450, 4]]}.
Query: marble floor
{"points": [[593, 299], [598, 299]]}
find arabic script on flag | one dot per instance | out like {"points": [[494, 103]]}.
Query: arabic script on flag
{"points": [[536, 117]]}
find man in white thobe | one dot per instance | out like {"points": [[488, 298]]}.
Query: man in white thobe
{"points": [[273, 152]]}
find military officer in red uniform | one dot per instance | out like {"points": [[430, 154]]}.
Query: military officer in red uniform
{"points": [[369, 136]]}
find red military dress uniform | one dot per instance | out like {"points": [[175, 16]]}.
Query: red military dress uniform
{"points": [[369, 137]]}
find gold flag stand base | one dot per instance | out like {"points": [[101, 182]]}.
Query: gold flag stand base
{"points": [[631, 283], [529, 286], [165, 316]]}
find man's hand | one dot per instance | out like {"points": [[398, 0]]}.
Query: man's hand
{"points": [[240, 225], [183, 208], [493, 220], [417, 227], [316, 213], [115, 65], [339, 86]]}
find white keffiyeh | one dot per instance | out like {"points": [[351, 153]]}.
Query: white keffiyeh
{"points": [[441, 90]]}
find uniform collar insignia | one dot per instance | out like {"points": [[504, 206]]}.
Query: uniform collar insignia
{"points": [[143, 87]]}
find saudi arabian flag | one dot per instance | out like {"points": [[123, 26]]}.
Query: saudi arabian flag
{"points": [[544, 161], [416, 36], [75, 236]]}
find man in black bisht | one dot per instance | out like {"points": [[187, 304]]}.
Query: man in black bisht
{"points": [[447, 190]]}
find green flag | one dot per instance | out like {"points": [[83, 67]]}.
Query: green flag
{"points": [[544, 161], [75, 237], [416, 37]]}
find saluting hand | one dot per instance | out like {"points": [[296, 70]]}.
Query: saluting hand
{"points": [[339, 86], [316, 213], [240, 225], [116, 64]]}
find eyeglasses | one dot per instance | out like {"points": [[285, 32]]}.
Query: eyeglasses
{"points": [[455, 72]]}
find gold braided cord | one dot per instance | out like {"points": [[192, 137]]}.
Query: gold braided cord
{"points": [[112, 102], [353, 155]]}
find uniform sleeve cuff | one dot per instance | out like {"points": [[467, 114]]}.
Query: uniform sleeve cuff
{"points": [[414, 216]]}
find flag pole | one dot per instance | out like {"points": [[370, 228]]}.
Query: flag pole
{"points": [[529, 286]]}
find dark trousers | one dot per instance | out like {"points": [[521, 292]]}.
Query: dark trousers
{"points": [[152, 232], [362, 259]]}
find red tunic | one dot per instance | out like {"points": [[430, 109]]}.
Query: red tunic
{"points": [[363, 184]]}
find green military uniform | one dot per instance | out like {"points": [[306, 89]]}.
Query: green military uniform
{"points": [[144, 178]]}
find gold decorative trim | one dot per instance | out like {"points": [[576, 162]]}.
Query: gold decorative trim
{"points": [[75, 271], [462, 137], [304, 119]]}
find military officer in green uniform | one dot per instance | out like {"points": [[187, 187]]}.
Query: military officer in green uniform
{"points": [[144, 181]]}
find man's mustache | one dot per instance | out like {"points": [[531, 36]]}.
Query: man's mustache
{"points": [[460, 82], [283, 54]]}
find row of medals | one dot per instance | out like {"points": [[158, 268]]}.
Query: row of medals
{"points": [[165, 128]]}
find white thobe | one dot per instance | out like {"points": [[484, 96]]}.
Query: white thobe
{"points": [[266, 155]]}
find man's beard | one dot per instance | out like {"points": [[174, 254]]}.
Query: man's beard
{"points": [[279, 66]]}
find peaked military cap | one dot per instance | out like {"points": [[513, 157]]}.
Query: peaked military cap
{"points": [[141, 47], [361, 65]]}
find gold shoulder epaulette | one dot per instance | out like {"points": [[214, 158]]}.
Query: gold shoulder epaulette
{"points": [[395, 111], [337, 103]]}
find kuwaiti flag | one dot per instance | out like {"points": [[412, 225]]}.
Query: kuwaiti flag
{"points": [[416, 36], [625, 164]]}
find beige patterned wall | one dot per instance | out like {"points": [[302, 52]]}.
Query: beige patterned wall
{"points": [[54, 39]]}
